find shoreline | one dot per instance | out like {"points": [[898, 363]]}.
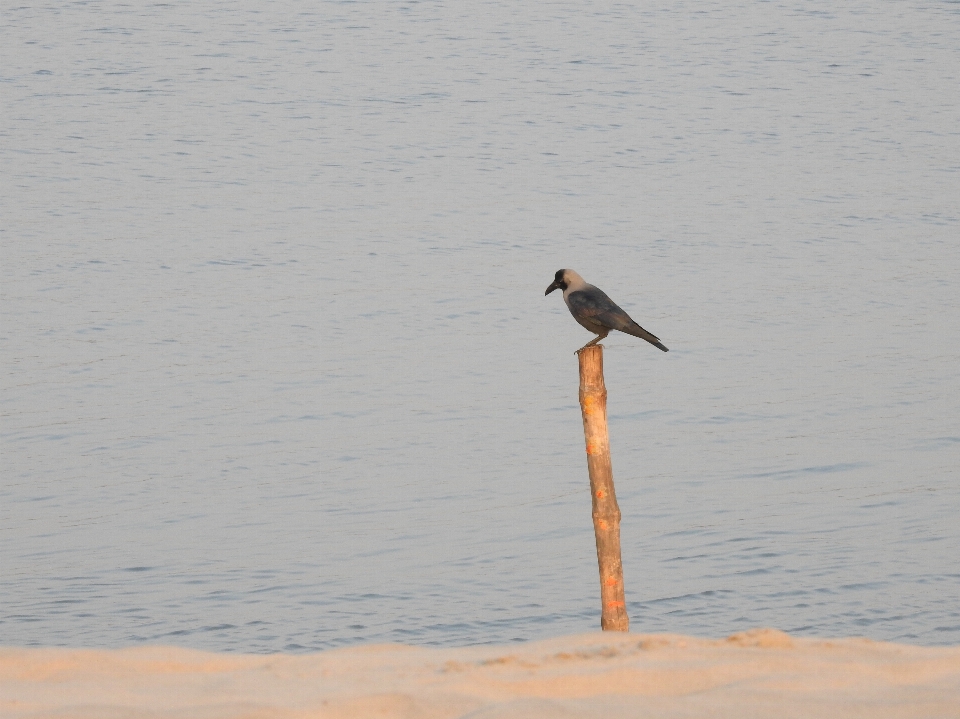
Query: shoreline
{"points": [[762, 672]]}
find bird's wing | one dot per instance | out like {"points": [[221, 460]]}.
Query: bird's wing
{"points": [[593, 305]]}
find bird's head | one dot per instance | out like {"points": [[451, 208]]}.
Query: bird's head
{"points": [[559, 282], [564, 279]]}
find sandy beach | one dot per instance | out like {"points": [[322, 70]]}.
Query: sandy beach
{"points": [[760, 673]]}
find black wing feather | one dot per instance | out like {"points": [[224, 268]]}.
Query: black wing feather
{"points": [[593, 305]]}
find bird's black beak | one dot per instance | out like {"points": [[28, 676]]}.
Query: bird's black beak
{"points": [[551, 288]]}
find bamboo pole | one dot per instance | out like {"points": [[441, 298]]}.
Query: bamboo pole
{"points": [[606, 512]]}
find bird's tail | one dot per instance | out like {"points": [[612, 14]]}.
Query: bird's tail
{"points": [[638, 331]]}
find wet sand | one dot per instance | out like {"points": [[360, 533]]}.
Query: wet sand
{"points": [[761, 673]]}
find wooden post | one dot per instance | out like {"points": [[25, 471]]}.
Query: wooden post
{"points": [[606, 512]]}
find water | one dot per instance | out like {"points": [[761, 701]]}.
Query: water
{"points": [[279, 374]]}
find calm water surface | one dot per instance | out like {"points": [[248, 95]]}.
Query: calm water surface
{"points": [[278, 370]]}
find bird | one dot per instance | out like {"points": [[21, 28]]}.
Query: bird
{"points": [[591, 307]]}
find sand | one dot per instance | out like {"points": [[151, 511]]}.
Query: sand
{"points": [[761, 673]]}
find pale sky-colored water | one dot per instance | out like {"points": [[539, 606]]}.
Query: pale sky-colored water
{"points": [[278, 369]]}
